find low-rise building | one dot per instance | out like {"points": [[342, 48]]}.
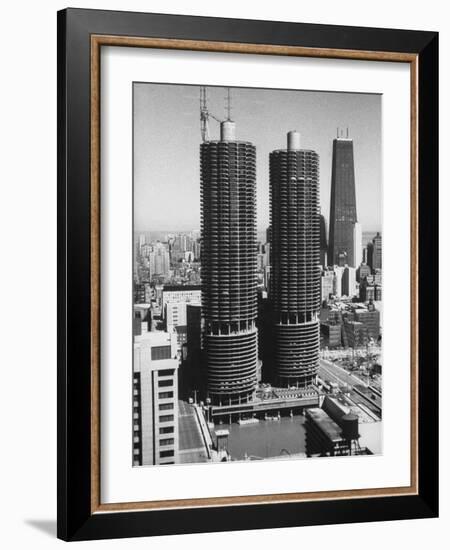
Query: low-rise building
{"points": [[331, 333], [181, 293], [370, 318], [356, 334]]}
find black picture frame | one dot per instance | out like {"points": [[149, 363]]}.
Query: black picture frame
{"points": [[76, 521]]}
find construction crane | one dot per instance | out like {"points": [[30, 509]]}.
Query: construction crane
{"points": [[228, 104], [205, 115]]}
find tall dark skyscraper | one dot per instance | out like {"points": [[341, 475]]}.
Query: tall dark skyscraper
{"points": [[295, 281], [229, 255], [323, 241], [341, 249]]}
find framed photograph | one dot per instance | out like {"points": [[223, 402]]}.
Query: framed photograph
{"points": [[247, 254]]}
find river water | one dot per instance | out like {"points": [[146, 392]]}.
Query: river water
{"points": [[266, 439]]}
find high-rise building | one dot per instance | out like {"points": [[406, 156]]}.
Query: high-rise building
{"points": [[323, 241], [266, 277], [145, 250], [266, 254], [364, 255], [338, 275], [327, 284], [376, 253], [179, 245], [159, 261], [366, 291], [295, 277], [349, 281], [197, 249], [362, 272], [155, 399], [159, 290], [370, 254], [378, 293], [229, 278], [341, 247], [357, 244]]}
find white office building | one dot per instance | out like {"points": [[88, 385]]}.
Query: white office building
{"points": [[155, 399]]}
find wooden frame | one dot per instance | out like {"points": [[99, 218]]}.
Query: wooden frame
{"points": [[81, 34]]}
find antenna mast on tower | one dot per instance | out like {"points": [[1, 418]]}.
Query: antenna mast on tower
{"points": [[228, 104], [205, 115]]}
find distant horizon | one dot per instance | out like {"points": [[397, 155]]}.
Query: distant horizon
{"points": [[186, 229], [190, 229]]}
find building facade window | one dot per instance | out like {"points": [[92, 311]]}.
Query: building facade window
{"points": [[165, 383], [166, 418], [165, 442], [166, 372], [165, 394], [165, 406], [161, 352], [167, 430], [164, 454]]}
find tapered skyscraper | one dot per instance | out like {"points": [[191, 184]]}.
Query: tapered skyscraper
{"points": [[229, 255], [323, 242], [341, 247], [295, 281]]}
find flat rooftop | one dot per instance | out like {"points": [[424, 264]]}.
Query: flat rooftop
{"points": [[176, 288], [325, 423]]}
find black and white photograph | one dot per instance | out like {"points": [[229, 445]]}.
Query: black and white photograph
{"points": [[257, 274], [227, 216]]}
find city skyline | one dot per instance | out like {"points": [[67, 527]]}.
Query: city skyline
{"points": [[249, 344], [169, 121]]}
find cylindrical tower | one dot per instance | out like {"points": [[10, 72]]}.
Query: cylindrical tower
{"points": [[295, 280], [229, 299]]}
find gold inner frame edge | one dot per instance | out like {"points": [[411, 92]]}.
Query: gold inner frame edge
{"points": [[97, 41]]}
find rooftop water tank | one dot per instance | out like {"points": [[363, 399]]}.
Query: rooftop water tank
{"points": [[349, 423]]}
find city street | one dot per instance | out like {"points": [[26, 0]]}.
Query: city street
{"points": [[334, 373]]}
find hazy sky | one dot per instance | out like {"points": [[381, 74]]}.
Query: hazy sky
{"points": [[167, 141]]}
